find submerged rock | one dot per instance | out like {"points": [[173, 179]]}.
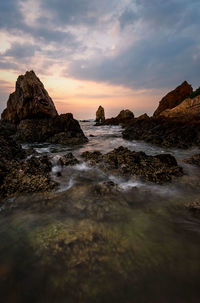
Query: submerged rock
{"points": [[68, 159], [174, 98], [195, 160], [159, 169], [194, 207], [100, 115]]}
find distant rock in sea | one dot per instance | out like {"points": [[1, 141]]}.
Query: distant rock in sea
{"points": [[34, 114], [100, 115], [174, 98], [124, 117]]}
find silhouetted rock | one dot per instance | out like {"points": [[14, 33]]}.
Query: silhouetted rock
{"points": [[174, 98], [29, 100], [34, 117], [124, 117], [159, 169], [143, 117], [100, 115]]}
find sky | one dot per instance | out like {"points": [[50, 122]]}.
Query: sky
{"points": [[115, 53]]}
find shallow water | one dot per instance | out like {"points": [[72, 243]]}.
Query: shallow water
{"points": [[89, 243]]}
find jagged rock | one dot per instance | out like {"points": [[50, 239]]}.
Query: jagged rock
{"points": [[32, 175], [164, 132], [124, 117], [33, 113], [100, 115], [187, 110], [174, 98], [194, 160], [30, 99], [68, 159], [159, 169], [143, 117]]}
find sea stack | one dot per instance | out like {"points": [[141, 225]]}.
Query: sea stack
{"points": [[31, 110], [100, 115]]}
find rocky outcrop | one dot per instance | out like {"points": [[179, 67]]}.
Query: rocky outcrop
{"points": [[29, 100], [159, 169], [100, 115], [124, 117], [62, 129], [187, 110], [34, 116], [174, 98], [164, 132]]}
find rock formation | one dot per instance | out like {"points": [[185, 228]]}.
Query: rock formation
{"points": [[174, 98], [29, 100], [124, 117], [100, 115], [159, 169], [34, 115], [187, 110], [164, 132]]}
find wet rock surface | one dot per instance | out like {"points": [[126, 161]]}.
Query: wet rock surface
{"points": [[68, 159], [31, 175], [159, 169], [164, 132], [194, 160]]}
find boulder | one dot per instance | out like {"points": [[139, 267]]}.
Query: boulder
{"points": [[100, 115], [29, 100], [174, 98], [125, 114]]}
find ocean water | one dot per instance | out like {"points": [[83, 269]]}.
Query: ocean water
{"points": [[87, 242]]}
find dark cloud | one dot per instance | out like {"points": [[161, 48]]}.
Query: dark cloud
{"points": [[21, 51]]}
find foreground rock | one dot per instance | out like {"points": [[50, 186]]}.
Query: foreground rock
{"points": [[174, 98], [32, 175], [124, 117], [164, 132], [194, 207], [159, 169], [34, 116], [100, 115]]}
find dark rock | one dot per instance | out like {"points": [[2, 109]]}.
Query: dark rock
{"points": [[32, 175], [159, 169], [62, 129], [164, 132], [100, 115], [195, 160], [174, 98], [124, 117], [194, 207], [30, 99], [68, 159]]}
